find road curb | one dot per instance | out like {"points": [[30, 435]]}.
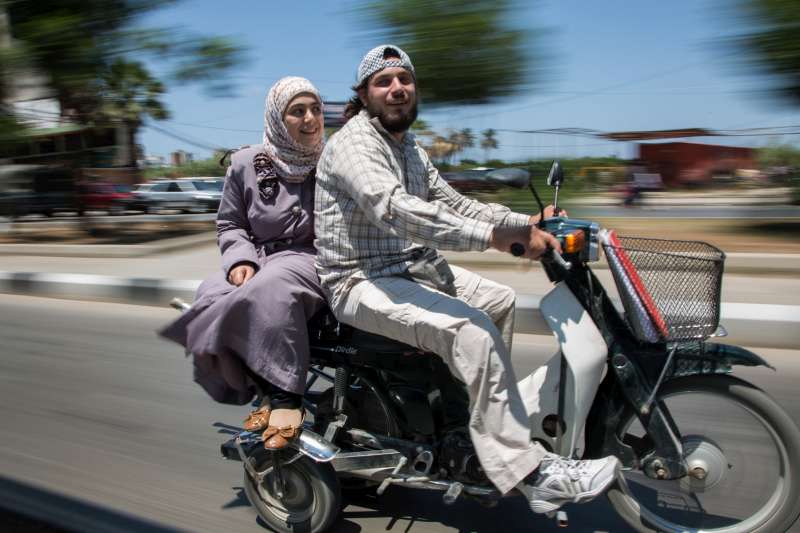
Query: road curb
{"points": [[763, 325], [735, 262], [109, 250]]}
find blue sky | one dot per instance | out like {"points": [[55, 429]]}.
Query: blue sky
{"points": [[611, 65]]}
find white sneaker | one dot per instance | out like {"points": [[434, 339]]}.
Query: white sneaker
{"points": [[559, 480]]}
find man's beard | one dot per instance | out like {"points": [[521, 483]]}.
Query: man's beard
{"points": [[395, 124]]}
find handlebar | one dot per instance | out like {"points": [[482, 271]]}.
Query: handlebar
{"points": [[518, 250]]}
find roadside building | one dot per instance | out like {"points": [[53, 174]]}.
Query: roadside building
{"points": [[180, 157], [682, 163], [54, 136]]}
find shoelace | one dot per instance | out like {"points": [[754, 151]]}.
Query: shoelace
{"points": [[571, 467]]}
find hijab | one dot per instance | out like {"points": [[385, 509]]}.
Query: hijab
{"points": [[292, 161]]}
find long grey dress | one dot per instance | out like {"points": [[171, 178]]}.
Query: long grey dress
{"points": [[261, 324]]}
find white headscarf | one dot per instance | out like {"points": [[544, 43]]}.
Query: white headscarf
{"points": [[292, 160]]}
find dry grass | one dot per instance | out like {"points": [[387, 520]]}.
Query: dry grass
{"points": [[730, 235]]}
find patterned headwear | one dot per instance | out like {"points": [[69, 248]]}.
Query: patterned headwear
{"points": [[374, 61], [292, 160]]}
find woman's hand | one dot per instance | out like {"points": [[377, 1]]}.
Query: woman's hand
{"points": [[549, 212], [240, 274]]}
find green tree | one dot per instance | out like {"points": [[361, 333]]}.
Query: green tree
{"points": [[129, 96], [782, 161], [464, 52], [488, 142], [81, 45], [774, 47]]}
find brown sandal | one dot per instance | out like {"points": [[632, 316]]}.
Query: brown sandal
{"points": [[257, 420], [276, 438]]}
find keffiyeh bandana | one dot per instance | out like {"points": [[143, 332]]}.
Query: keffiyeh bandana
{"points": [[374, 61]]}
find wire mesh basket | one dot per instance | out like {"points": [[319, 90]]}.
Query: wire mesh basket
{"points": [[670, 289]]}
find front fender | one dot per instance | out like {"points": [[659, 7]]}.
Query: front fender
{"points": [[713, 358]]}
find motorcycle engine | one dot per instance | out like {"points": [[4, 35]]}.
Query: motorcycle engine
{"points": [[458, 458]]}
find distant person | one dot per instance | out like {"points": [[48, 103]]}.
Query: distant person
{"points": [[633, 184], [248, 322], [382, 212]]}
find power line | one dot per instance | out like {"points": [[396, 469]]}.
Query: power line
{"points": [[213, 127], [198, 144], [592, 92]]}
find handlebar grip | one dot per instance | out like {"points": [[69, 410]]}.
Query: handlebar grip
{"points": [[517, 249]]}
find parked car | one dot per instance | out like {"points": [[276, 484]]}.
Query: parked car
{"points": [[115, 198], [184, 194], [37, 189], [471, 180]]}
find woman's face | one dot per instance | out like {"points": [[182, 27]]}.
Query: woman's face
{"points": [[303, 119]]}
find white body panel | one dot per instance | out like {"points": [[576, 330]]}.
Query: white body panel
{"points": [[585, 353]]}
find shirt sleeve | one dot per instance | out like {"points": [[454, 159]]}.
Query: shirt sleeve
{"points": [[362, 169], [496, 214], [233, 227]]}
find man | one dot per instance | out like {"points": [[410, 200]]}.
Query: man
{"points": [[381, 211]]}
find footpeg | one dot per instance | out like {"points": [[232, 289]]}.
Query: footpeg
{"points": [[452, 494], [560, 516]]}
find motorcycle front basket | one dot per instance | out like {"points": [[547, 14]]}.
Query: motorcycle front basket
{"points": [[670, 289]]}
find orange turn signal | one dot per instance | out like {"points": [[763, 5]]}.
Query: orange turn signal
{"points": [[573, 242]]}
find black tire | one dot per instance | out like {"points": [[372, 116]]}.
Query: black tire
{"points": [[777, 514], [312, 502]]}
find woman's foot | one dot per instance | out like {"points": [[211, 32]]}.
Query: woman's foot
{"points": [[284, 425], [257, 420]]}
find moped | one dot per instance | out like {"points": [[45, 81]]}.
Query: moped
{"points": [[636, 376]]}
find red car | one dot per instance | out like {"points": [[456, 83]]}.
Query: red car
{"points": [[101, 196]]}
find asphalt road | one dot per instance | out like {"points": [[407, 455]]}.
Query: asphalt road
{"points": [[103, 430]]}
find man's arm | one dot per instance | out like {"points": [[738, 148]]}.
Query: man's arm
{"points": [[360, 166], [496, 214]]}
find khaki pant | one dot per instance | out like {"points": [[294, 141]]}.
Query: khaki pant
{"points": [[472, 333]]}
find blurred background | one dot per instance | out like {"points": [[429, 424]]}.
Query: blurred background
{"points": [[104, 104], [675, 119]]}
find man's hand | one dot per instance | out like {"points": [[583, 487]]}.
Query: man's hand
{"points": [[549, 211], [240, 274], [535, 241]]}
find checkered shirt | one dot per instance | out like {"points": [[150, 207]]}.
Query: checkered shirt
{"points": [[380, 203]]}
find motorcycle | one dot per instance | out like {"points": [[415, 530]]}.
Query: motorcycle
{"points": [[701, 450]]}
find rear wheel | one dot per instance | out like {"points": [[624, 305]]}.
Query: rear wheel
{"points": [[743, 453], [311, 501]]}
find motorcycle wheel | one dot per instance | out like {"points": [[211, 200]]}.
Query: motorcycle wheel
{"points": [[311, 500], [746, 444]]}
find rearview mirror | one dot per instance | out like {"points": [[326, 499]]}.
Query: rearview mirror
{"points": [[556, 176]]}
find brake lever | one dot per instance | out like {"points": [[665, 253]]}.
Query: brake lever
{"points": [[518, 250], [558, 259]]}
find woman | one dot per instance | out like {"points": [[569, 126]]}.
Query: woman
{"points": [[247, 325]]}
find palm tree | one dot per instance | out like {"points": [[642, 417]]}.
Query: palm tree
{"points": [[130, 95], [489, 142]]}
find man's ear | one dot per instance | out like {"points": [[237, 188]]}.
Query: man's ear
{"points": [[362, 95]]}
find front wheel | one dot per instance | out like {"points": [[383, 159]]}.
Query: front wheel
{"points": [[311, 500], [743, 451]]}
